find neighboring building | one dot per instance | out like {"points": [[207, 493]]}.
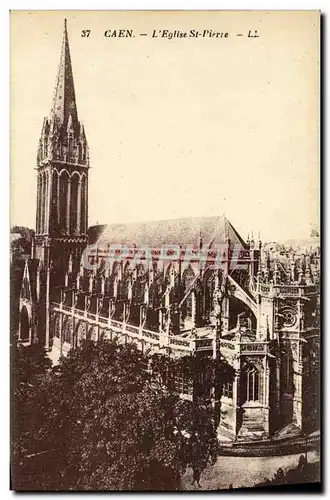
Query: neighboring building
{"points": [[210, 294]]}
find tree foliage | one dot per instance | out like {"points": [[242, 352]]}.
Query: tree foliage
{"points": [[29, 370], [108, 418]]}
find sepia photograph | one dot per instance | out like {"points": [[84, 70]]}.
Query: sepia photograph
{"points": [[165, 252]]}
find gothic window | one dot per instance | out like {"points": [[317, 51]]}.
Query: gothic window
{"points": [[55, 201], [66, 331], [64, 180], [287, 372], [120, 291], [45, 203], [208, 292], [127, 271], [188, 278], [189, 306], [24, 324], [83, 204], [251, 384], [42, 203], [140, 270], [74, 203], [227, 390], [39, 204], [25, 289]]}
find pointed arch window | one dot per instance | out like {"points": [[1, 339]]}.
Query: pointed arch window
{"points": [[55, 201], [42, 203], [287, 372], [188, 279], [63, 196], [83, 203], [251, 384], [66, 330], [25, 289], [208, 293], [74, 202], [39, 189]]}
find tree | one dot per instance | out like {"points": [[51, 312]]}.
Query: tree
{"points": [[29, 368], [112, 422]]}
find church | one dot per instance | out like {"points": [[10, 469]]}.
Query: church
{"points": [[210, 293]]}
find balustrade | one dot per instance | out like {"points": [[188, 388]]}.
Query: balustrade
{"points": [[151, 335], [103, 319], [310, 289], [227, 344], [288, 290], [175, 341], [204, 344], [132, 329], [254, 347], [179, 342]]}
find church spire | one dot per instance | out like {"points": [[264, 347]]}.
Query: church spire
{"points": [[62, 197], [64, 101]]}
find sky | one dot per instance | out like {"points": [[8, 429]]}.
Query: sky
{"points": [[178, 127]]}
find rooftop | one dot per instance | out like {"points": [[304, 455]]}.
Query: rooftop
{"points": [[194, 231]]}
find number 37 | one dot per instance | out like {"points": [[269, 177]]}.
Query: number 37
{"points": [[85, 33]]}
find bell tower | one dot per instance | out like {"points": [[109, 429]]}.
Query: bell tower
{"points": [[62, 189], [62, 166]]}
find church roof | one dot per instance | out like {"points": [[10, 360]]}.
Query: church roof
{"points": [[184, 231], [64, 109]]}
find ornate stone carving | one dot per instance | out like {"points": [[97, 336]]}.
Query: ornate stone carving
{"points": [[288, 316]]}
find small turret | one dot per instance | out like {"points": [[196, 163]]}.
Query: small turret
{"points": [[308, 275], [301, 280], [259, 242], [259, 273], [276, 274], [293, 270], [252, 242], [82, 135], [70, 129]]}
